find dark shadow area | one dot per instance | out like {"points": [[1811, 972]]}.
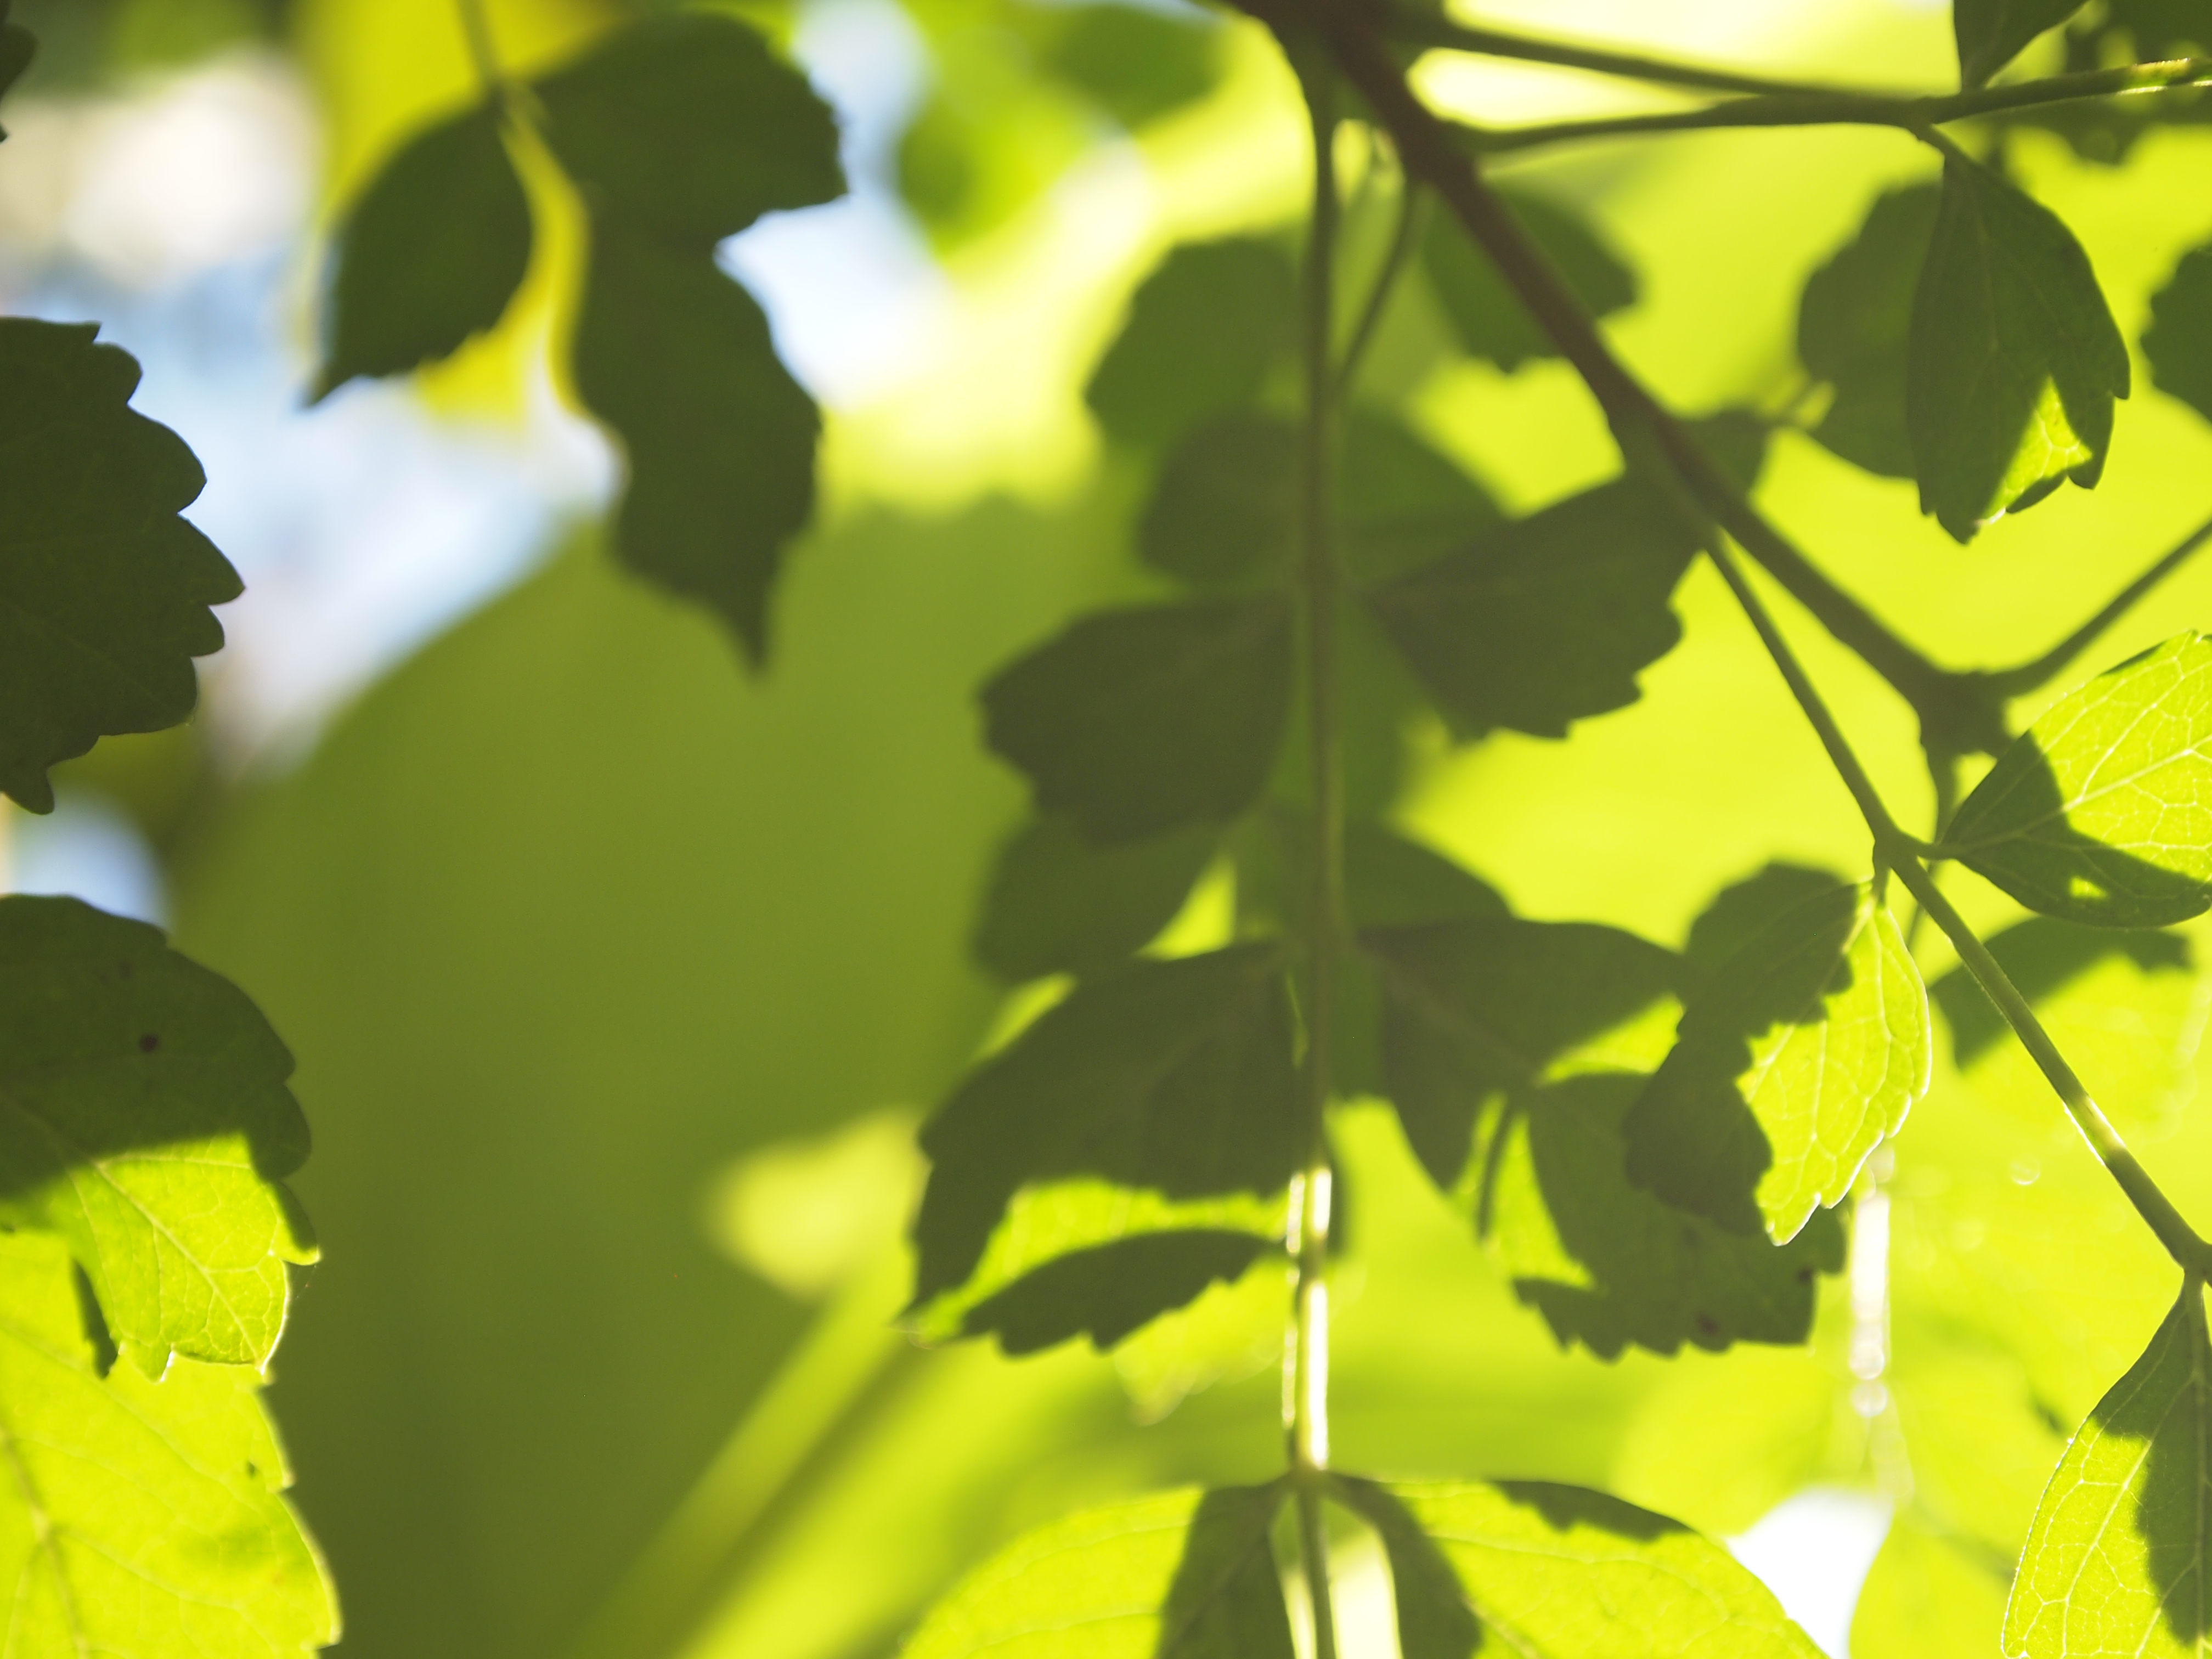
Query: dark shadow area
{"points": [[2042, 956], [1227, 1597], [1108, 1291]]}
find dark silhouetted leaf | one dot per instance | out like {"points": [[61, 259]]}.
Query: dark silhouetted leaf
{"points": [[1991, 33], [1485, 312], [1112, 1290], [1136, 65], [2102, 812], [1225, 512], [1392, 882], [1137, 721], [1175, 1076], [2178, 341], [144, 1119], [1791, 1065], [1743, 910], [104, 590], [1855, 325], [1060, 904], [1400, 504], [1203, 332], [16, 51], [2015, 360], [429, 255], [1434, 1620], [2120, 1560]]}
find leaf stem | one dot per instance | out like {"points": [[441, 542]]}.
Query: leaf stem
{"points": [[1404, 235], [476, 24], [2014, 682]]}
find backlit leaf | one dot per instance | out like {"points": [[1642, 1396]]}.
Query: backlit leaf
{"points": [[1991, 33], [1742, 910], [104, 590], [1929, 1593], [1137, 721], [144, 1119], [139, 1517], [2102, 812], [1109, 1290], [2116, 1561], [2178, 341], [1486, 314], [429, 255], [1183, 1576], [1791, 1065], [1854, 325], [1203, 332], [1057, 903], [2015, 359]]}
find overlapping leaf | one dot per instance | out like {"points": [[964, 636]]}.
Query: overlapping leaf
{"points": [[2102, 812], [1486, 314], [1058, 903], [144, 1119], [1203, 333], [1790, 1066], [1854, 326], [2178, 341], [1927, 1593], [1991, 33], [138, 1517], [2015, 359], [104, 589]]}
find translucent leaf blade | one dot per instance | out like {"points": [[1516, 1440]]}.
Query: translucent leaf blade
{"points": [[1991, 33]]}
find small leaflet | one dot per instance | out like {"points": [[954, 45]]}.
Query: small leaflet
{"points": [[1487, 316], [1060, 904], [2102, 812], [1110, 1291], [1854, 327], [1204, 331], [2116, 1560], [2178, 341], [1991, 33]]}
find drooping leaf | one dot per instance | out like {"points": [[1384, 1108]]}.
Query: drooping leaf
{"points": [[1109, 1290], [2102, 812], [144, 1119], [1556, 1573], [1854, 327], [104, 590], [1183, 1576], [1203, 332], [1173, 1076], [1058, 903], [2120, 1560], [2015, 360], [139, 1517], [2178, 341], [429, 255], [1486, 314], [1927, 1593], [1791, 1065], [1137, 721], [1991, 33]]}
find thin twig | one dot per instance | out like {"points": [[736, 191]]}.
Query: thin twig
{"points": [[2017, 681], [1404, 237], [476, 24]]}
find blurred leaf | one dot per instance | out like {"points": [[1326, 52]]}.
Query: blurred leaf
{"points": [[1545, 620], [145, 1122], [1392, 882], [1741, 912], [2118, 1559], [1136, 721], [1135, 63], [2015, 359], [1225, 512], [1557, 1572], [429, 255], [1854, 325], [2178, 341], [1991, 33], [1203, 332], [1927, 1593], [1174, 1076], [1058, 904], [1792, 1064], [1486, 314], [2161, 29], [104, 590], [2097, 812], [1109, 1291], [136, 1516], [17, 48], [1183, 1576], [1399, 503]]}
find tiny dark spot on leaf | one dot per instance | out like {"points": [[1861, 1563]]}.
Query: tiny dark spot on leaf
{"points": [[148, 1042], [123, 969], [1707, 1325], [1804, 1275]]}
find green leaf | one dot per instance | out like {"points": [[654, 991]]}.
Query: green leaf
{"points": [[144, 1119], [691, 129], [2116, 1561], [1136, 721], [1183, 1576], [104, 590], [1136, 65], [1109, 1291], [1742, 910], [1927, 1593], [1392, 882], [1486, 314], [2015, 358], [1172, 1076], [1991, 33], [429, 255], [1203, 332], [17, 48], [2178, 341], [1557, 1572], [676, 357], [1058, 904], [1854, 326], [1400, 504], [1545, 620], [1791, 1065], [2098, 812], [139, 1517]]}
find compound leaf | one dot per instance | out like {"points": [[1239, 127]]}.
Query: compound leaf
{"points": [[144, 1119], [2178, 341], [139, 1517], [104, 590], [1058, 903], [1791, 1066], [1400, 504], [1991, 33], [2116, 1560], [1854, 326], [2102, 812], [1487, 315], [1203, 332], [1187, 1575], [429, 255], [1137, 721], [2015, 359]]}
